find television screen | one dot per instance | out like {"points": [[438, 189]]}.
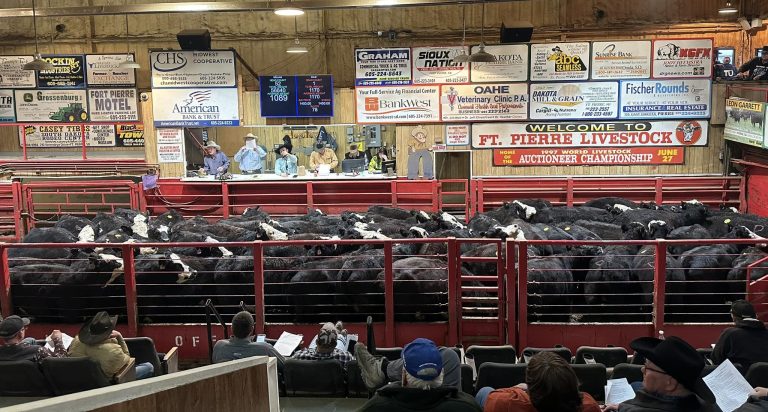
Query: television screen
{"points": [[386, 165], [296, 96]]}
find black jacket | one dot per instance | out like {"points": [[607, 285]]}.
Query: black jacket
{"points": [[753, 404], [394, 397], [646, 402], [757, 69], [744, 344]]}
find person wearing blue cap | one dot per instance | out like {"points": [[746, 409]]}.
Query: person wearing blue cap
{"points": [[421, 385]]}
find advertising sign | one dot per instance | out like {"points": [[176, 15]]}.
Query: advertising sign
{"points": [[195, 107], [382, 67], [591, 156], [12, 76], [113, 105], [435, 65], [560, 61], [104, 70], [130, 135], [189, 69], [745, 122], [404, 104], [456, 134], [682, 58], [314, 96], [68, 72], [654, 99], [590, 134], [511, 64], [170, 145], [39, 135], [478, 102], [558, 101], [51, 105], [621, 60], [278, 96], [7, 112]]}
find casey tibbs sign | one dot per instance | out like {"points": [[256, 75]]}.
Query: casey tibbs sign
{"points": [[590, 134]]}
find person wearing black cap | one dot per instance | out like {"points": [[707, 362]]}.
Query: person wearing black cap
{"points": [[99, 341], [321, 156], [746, 342], [286, 163], [757, 68], [16, 347], [671, 378], [241, 344]]}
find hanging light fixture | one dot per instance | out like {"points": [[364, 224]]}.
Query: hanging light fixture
{"points": [[297, 47], [481, 56], [728, 9], [37, 64], [463, 57], [128, 63], [289, 11]]}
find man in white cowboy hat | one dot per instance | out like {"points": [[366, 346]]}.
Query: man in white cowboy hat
{"points": [[418, 150], [250, 155], [215, 161]]}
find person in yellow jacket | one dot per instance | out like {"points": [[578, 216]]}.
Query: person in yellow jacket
{"points": [[322, 156], [375, 164], [99, 341]]}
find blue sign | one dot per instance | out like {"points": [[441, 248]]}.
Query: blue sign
{"points": [[296, 96]]}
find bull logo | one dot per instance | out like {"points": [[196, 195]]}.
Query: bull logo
{"points": [[668, 51], [688, 133]]}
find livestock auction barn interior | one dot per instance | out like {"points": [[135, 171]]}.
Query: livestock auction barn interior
{"points": [[502, 178]]}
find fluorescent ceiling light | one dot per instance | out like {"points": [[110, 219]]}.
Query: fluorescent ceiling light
{"points": [[296, 48], [194, 7], [289, 11], [728, 9]]}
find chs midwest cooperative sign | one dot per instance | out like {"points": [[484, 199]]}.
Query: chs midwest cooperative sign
{"points": [[190, 69], [589, 134]]}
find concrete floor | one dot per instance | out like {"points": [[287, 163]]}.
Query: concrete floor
{"points": [[321, 404]]}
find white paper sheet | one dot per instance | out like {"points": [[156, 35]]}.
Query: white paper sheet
{"points": [[730, 388], [65, 339], [250, 144], [287, 343], [618, 391]]}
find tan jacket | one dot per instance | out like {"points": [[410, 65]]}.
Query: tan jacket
{"points": [[328, 157], [112, 354]]}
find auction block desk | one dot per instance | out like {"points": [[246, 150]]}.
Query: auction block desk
{"points": [[277, 195]]}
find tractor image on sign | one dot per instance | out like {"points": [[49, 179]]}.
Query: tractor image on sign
{"points": [[74, 112]]}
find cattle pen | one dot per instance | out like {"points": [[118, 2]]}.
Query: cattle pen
{"points": [[500, 306]]}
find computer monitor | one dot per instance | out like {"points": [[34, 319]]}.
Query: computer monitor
{"points": [[350, 165], [386, 165]]}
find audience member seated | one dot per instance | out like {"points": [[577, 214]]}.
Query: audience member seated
{"points": [[379, 371], [241, 345], [746, 342], [326, 347], [354, 153], [16, 347], [420, 387], [550, 385], [757, 402], [99, 341], [671, 378]]}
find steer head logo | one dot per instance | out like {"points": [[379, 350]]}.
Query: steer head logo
{"points": [[688, 133]]}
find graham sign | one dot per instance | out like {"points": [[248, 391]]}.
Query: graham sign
{"points": [[682, 58], [590, 134], [113, 105], [404, 104], [435, 65], [382, 67], [556, 101], [621, 60], [664, 99], [560, 61], [478, 102], [591, 156], [190, 69], [195, 107]]}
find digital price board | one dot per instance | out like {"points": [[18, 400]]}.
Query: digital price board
{"points": [[296, 96]]}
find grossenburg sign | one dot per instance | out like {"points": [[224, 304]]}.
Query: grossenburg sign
{"points": [[589, 134], [589, 156]]}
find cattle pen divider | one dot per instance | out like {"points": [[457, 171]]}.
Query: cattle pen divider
{"points": [[508, 323]]}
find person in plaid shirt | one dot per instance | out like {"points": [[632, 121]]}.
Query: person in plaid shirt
{"points": [[16, 347], [326, 347]]}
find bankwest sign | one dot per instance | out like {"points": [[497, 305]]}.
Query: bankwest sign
{"points": [[590, 134]]}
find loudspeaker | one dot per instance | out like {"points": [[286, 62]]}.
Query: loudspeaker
{"points": [[518, 32], [744, 23], [194, 39]]}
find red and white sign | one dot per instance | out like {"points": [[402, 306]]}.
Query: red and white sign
{"points": [[484, 102], [170, 145], [589, 156], [590, 134], [682, 58], [457, 134], [398, 104], [435, 65]]}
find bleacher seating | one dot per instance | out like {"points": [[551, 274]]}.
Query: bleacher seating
{"points": [[355, 386], [609, 356], [390, 353], [143, 349], [22, 378], [564, 352], [70, 375], [499, 354], [314, 378], [467, 379], [592, 379], [500, 375], [757, 375], [633, 373]]}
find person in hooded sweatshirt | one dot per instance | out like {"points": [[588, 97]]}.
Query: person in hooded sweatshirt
{"points": [[746, 342]]}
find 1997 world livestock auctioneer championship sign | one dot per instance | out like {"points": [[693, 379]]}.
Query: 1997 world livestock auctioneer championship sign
{"points": [[592, 156]]}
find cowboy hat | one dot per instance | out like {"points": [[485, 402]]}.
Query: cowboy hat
{"points": [[97, 329], [678, 359], [213, 145], [250, 136], [418, 129]]}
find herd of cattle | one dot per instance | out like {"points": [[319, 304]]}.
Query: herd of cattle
{"points": [[320, 278]]}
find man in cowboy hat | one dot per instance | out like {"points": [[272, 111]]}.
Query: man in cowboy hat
{"points": [[671, 378], [99, 341], [16, 347], [746, 342], [418, 151], [215, 161], [322, 156], [250, 155], [286, 163]]}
